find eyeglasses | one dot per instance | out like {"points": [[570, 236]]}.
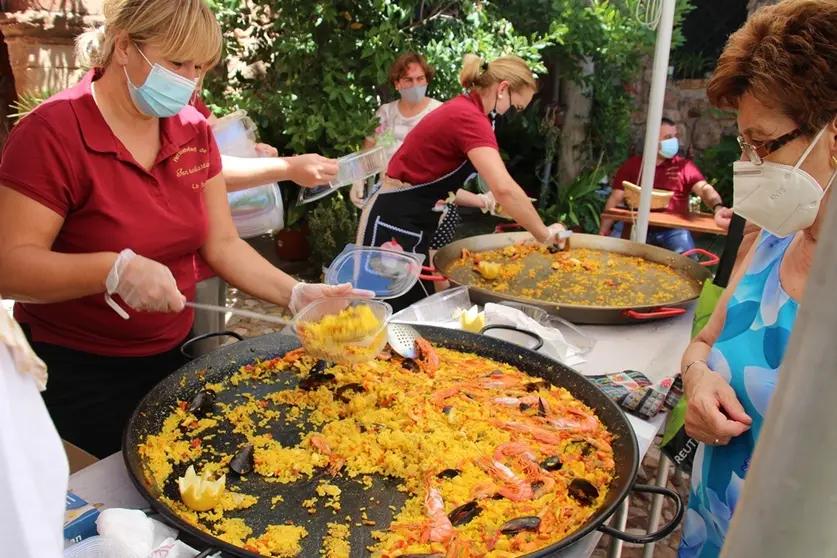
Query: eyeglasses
{"points": [[757, 153]]}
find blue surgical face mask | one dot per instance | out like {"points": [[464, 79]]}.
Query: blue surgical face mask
{"points": [[164, 92], [413, 94], [669, 147]]}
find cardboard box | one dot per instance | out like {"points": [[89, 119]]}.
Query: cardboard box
{"points": [[79, 520], [78, 458]]}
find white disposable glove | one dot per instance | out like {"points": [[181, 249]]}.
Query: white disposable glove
{"points": [[143, 284], [356, 194], [489, 204], [304, 294], [558, 235]]}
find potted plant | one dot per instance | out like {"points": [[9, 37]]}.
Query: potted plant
{"points": [[333, 223], [579, 205], [292, 241]]}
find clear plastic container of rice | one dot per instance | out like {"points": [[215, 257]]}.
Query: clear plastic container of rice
{"points": [[343, 330]]}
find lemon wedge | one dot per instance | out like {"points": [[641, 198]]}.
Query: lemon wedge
{"points": [[489, 270], [199, 493], [472, 320]]}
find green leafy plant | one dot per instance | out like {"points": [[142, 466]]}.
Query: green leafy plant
{"points": [[333, 223], [27, 102], [716, 165], [312, 74], [692, 65], [579, 205]]}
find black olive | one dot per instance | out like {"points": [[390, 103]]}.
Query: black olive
{"points": [[242, 462], [515, 526], [583, 491], [464, 513]]}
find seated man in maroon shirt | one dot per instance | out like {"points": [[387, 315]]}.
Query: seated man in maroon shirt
{"points": [[676, 174]]}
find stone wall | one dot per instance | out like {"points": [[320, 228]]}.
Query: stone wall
{"points": [[40, 38], [699, 125]]}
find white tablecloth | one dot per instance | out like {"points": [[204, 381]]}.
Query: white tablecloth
{"points": [[654, 349]]}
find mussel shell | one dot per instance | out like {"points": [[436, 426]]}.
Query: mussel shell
{"points": [[541, 408], [552, 463], [320, 366], [553, 249], [448, 474], [583, 491], [243, 462], [314, 381], [202, 402], [515, 526], [343, 390], [537, 386], [497, 496], [410, 365], [447, 409], [524, 407], [464, 513]]}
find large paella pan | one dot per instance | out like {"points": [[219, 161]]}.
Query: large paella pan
{"points": [[324, 509], [599, 280]]}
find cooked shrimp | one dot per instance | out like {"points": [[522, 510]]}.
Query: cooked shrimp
{"points": [[540, 434], [319, 442], [428, 360], [515, 488], [514, 449], [483, 490], [541, 482], [579, 421], [439, 528]]}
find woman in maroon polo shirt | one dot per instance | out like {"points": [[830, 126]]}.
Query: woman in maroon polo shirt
{"points": [[109, 190], [441, 152]]}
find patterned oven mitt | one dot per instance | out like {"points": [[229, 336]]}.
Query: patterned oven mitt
{"points": [[634, 392]]}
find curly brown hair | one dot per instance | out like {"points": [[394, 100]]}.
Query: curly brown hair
{"points": [[785, 55], [399, 67]]}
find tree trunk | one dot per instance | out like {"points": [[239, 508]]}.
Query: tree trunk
{"points": [[571, 158]]}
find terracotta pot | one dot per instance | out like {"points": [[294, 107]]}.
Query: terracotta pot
{"points": [[292, 245]]}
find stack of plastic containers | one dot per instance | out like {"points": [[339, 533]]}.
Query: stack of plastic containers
{"points": [[356, 167], [258, 210]]}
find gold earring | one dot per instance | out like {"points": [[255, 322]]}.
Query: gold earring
{"points": [[833, 162]]}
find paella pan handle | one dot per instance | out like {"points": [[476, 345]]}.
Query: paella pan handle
{"points": [[538, 339], [190, 342], [713, 259], [506, 227], [665, 531], [655, 314], [431, 277]]}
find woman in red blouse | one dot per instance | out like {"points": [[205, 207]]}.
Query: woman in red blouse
{"points": [[441, 152], [108, 191]]}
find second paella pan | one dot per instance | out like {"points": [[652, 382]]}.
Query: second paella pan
{"points": [[599, 280]]}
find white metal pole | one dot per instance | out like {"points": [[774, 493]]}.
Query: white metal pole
{"points": [[655, 114], [788, 506]]}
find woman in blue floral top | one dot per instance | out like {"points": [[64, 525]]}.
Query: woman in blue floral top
{"points": [[779, 72]]}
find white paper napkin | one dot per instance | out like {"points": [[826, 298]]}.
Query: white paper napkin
{"points": [[554, 346], [138, 533]]}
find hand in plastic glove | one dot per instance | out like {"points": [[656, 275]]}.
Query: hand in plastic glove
{"points": [[311, 170], [489, 204], [356, 194], [143, 284], [554, 230], [304, 294], [265, 150]]}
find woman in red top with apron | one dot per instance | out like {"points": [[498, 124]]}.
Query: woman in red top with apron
{"points": [[441, 152]]}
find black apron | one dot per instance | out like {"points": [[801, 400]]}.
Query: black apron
{"points": [[406, 215]]}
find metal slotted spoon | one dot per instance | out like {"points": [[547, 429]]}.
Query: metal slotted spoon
{"points": [[402, 339]]}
